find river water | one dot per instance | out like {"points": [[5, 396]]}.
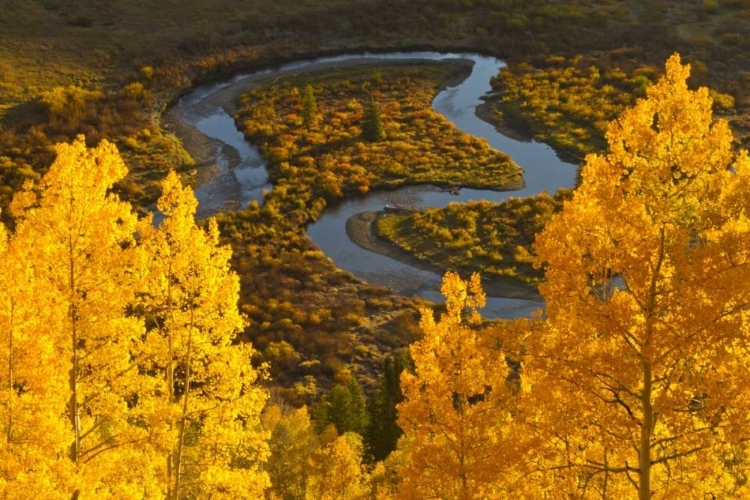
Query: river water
{"points": [[543, 171]]}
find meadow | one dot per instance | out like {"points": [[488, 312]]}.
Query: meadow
{"points": [[331, 156], [569, 102], [494, 239]]}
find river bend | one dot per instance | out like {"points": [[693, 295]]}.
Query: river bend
{"points": [[543, 171]]}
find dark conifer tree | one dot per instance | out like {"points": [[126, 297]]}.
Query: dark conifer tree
{"points": [[383, 433], [309, 107], [345, 407], [372, 123]]}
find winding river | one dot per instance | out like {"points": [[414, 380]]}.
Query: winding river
{"points": [[544, 171]]}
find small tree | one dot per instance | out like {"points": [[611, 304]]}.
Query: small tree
{"points": [[383, 432], [309, 107], [345, 407], [457, 439], [336, 471], [372, 124]]}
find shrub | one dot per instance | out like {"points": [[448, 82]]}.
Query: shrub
{"points": [[80, 21], [710, 6]]}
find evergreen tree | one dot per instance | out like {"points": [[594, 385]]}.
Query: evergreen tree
{"points": [[372, 123], [309, 107], [358, 418], [383, 432], [345, 407]]}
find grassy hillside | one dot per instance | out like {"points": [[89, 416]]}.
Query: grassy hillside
{"points": [[47, 43]]}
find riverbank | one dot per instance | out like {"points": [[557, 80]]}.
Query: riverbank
{"points": [[228, 97], [518, 130], [248, 230], [217, 187], [213, 178], [362, 230]]}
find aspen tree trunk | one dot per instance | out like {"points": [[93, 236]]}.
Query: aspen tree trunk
{"points": [[181, 439], [647, 426], [462, 400], [170, 381], [9, 434], [75, 449]]}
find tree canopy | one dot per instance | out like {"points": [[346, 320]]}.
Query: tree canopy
{"points": [[121, 377], [637, 375]]}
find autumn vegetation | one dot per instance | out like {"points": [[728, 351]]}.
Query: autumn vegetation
{"points": [[106, 55], [126, 370], [492, 238], [121, 344], [349, 131], [644, 265], [568, 103], [118, 346], [123, 373], [310, 129], [632, 383], [110, 72]]}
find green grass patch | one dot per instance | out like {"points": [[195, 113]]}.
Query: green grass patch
{"points": [[494, 239]]}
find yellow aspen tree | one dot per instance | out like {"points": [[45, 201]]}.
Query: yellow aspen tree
{"points": [[336, 471], [454, 416], [34, 437], [292, 444], [206, 400], [81, 237], [639, 373]]}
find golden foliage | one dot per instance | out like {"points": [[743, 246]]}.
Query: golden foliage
{"points": [[206, 407], [568, 103], [33, 388], [336, 471], [638, 376], [85, 238], [91, 318], [455, 416]]}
